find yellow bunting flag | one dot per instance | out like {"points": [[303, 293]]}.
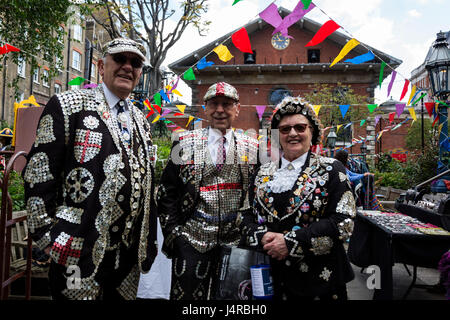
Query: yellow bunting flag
{"points": [[190, 119], [345, 50], [223, 53], [379, 136], [412, 112], [169, 88], [181, 107], [317, 109], [440, 128], [156, 118], [338, 127], [413, 91]]}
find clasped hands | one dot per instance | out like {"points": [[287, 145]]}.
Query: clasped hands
{"points": [[275, 245]]}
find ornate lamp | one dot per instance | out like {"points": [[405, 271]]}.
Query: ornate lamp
{"points": [[438, 65], [331, 141], [140, 92]]}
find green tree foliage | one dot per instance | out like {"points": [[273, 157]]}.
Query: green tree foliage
{"points": [[414, 137], [34, 26], [330, 97]]}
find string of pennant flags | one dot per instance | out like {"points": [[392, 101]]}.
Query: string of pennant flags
{"points": [[241, 41]]}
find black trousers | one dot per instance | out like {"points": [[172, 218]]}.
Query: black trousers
{"points": [[108, 277], [194, 274]]}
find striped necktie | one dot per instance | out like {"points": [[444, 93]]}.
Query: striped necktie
{"points": [[221, 154]]}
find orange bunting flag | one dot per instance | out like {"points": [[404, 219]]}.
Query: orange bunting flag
{"points": [[223, 53], [405, 89], [242, 41], [327, 28], [345, 50]]}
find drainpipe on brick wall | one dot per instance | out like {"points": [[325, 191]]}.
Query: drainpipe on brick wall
{"points": [[4, 87], [68, 59]]}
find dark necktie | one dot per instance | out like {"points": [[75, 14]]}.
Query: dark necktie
{"points": [[122, 122], [221, 154]]}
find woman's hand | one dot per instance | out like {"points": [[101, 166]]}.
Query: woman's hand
{"points": [[275, 245]]}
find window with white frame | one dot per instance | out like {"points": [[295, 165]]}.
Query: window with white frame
{"points": [[76, 87], [77, 33], [93, 70], [21, 66], [61, 36], [57, 88], [36, 75], [45, 79], [20, 96], [76, 60]]}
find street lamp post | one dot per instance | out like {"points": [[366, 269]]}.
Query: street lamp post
{"points": [[331, 141], [140, 92], [438, 65]]}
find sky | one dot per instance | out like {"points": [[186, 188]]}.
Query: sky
{"points": [[404, 29]]}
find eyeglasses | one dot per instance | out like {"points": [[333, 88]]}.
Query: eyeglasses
{"points": [[122, 59], [299, 128]]}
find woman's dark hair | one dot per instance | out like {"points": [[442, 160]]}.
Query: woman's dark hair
{"points": [[342, 156]]}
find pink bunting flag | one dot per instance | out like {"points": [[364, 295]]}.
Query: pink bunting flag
{"points": [[394, 73], [405, 89], [165, 112], [260, 111], [242, 41], [272, 17], [377, 118], [174, 86], [400, 107], [90, 86], [327, 28]]}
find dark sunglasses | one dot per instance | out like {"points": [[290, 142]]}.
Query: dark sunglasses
{"points": [[122, 59], [299, 128]]}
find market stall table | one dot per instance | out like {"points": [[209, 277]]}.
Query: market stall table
{"points": [[382, 239]]}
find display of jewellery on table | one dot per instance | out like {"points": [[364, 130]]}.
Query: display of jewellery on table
{"points": [[401, 223]]}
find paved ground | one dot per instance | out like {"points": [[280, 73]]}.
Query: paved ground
{"points": [[357, 288]]}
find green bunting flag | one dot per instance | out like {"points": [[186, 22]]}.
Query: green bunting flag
{"points": [[157, 98], [189, 74], [372, 107], [443, 103], [362, 122], [380, 80], [418, 99], [306, 3], [235, 1], [77, 81]]}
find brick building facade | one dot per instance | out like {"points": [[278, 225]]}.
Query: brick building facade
{"points": [[292, 68]]}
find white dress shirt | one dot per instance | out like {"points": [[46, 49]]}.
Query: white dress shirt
{"points": [[112, 100], [286, 176], [214, 137]]}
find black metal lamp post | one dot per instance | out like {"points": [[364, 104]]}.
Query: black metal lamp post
{"points": [[140, 92], [438, 65], [331, 141], [363, 149]]}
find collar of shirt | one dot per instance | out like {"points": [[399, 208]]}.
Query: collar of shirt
{"points": [[112, 99], [297, 163], [214, 136]]}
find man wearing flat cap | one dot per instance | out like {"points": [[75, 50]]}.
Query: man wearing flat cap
{"points": [[89, 184], [200, 193]]}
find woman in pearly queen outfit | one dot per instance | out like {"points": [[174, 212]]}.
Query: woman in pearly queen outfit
{"points": [[300, 211]]}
